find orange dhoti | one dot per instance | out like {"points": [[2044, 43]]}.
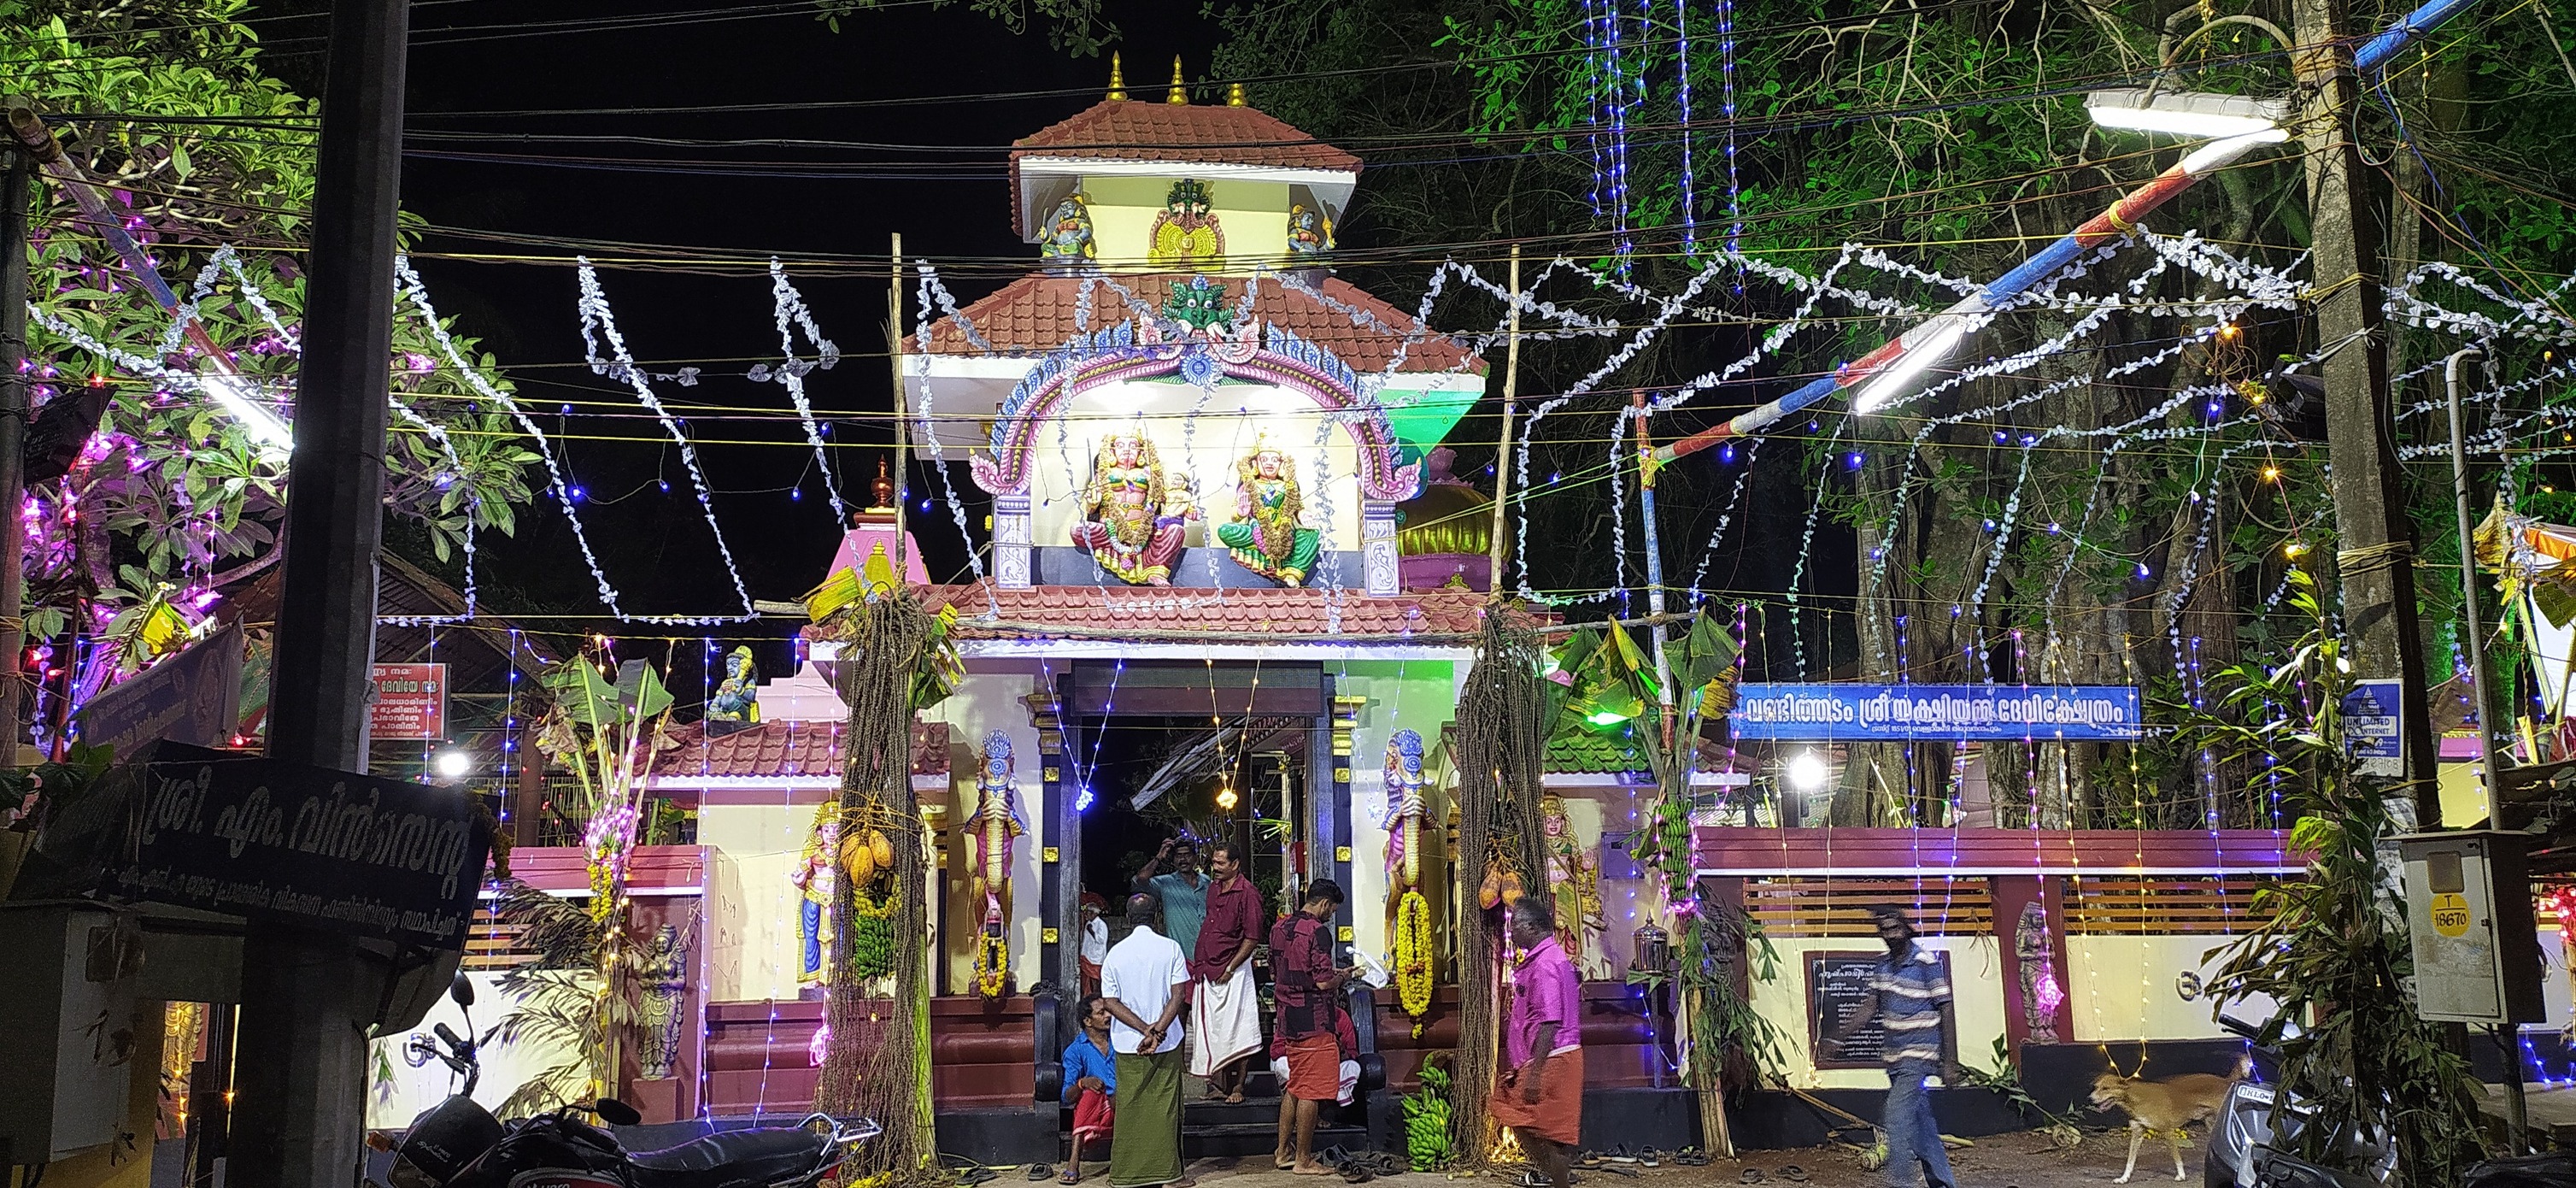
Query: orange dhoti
{"points": [[1315, 1068], [1557, 1115]]}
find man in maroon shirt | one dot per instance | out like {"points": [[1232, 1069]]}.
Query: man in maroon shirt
{"points": [[1307, 986], [1541, 1095], [1225, 1008]]}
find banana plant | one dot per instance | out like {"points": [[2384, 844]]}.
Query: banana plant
{"points": [[607, 733]]}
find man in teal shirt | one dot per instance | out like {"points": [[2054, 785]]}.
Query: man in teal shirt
{"points": [[1183, 890]]}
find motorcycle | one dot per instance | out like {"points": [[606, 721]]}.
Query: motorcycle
{"points": [[2242, 1136], [459, 1144]]}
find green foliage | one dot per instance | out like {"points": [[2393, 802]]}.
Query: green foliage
{"points": [[183, 493], [2332, 948]]}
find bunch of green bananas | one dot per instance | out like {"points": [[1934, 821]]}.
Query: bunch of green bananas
{"points": [[871, 943], [1426, 1121]]}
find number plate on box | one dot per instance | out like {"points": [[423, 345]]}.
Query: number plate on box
{"points": [[2254, 1093]]}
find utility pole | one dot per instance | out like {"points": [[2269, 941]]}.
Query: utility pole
{"points": [[16, 174], [309, 997], [2376, 553]]}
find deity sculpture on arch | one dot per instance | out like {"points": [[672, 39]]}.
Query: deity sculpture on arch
{"points": [[1269, 535], [1134, 519]]}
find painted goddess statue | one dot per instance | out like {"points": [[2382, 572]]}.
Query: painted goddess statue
{"points": [[1268, 534], [813, 879], [994, 825], [1574, 877], [1132, 524]]}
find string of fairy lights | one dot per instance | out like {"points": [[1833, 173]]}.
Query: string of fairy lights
{"points": [[2249, 286]]}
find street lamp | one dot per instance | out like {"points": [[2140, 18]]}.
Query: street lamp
{"points": [[453, 765], [2186, 113], [1807, 771]]}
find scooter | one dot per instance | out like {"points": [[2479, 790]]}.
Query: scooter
{"points": [[2251, 1118], [2242, 1153], [459, 1144]]}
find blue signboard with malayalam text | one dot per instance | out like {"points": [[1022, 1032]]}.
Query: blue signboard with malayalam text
{"points": [[1895, 713]]}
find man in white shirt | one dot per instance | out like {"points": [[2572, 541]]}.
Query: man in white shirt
{"points": [[1095, 941], [1145, 980]]}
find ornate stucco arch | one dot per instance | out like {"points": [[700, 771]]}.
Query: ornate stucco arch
{"points": [[1258, 353]]}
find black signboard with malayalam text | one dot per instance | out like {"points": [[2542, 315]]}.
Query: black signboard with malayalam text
{"points": [[323, 849], [1837, 983]]}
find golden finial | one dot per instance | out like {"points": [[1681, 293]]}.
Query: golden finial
{"points": [[1117, 80], [1234, 95], [1180, 88]]}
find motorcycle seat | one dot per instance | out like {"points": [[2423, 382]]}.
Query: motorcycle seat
{"points": [[732, 1159]]}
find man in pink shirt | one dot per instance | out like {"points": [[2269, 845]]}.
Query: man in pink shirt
{"points": [[1541, 1095]]}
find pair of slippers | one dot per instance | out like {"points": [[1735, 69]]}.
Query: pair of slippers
{"points": [[1789, 1171], [1690, 1157]]}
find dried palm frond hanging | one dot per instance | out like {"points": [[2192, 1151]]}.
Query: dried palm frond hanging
{"points": [[1501, 745], [876, 1062]]}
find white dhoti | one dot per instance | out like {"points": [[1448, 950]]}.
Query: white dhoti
{"points": [[1225, 1020]]}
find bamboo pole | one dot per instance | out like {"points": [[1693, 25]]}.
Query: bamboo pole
{"points": [[1503, 459], [902, 425]]}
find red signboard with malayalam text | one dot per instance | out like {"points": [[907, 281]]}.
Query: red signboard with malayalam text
{"points": [[411, 703]]}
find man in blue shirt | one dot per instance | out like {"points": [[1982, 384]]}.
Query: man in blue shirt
{"points": [[1910, 998], [1090, 1080]]}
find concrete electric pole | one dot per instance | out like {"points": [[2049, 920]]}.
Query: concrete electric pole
{"points": [[2376, 554], [308, 998]]}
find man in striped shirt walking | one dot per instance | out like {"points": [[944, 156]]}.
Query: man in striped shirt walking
{"points": [[1910, 997]]}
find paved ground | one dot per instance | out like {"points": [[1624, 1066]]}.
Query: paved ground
{"points": [[2002, 1161]]}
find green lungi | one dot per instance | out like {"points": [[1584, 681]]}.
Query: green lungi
{"points": [[1147, 1149]]}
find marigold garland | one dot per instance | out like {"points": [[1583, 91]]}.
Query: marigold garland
{"points": [[1413, 957], [992, 964]]}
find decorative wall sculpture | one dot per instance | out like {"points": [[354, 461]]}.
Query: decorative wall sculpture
{"points": [[666, 983], [1133, 519], [1269, 535], [1186, 234], [1310, 232], [1068, 240], [735, 705]]}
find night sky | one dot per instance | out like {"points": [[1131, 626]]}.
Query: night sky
{"points": [[959, 84]]}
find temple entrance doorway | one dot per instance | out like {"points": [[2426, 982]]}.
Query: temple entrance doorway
{"points": [[1213, 750]]}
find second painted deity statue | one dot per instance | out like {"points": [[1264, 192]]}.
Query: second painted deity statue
{"points": [[1574, 876], [1269, 535], [995, 825], [1133, 521]]}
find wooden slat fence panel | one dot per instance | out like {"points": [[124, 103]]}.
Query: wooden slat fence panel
{"points": [[492, 945], [1840, 907], [2129, 905]]}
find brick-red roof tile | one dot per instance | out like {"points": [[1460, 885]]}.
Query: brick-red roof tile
{"points": [[779, 749], [1038, 313], [1302, 612], [1148, 130]]}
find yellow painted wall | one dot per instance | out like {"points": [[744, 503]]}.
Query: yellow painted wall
{"points": [[1976, 986], [1203, 436], [2125, 988], [989, 698], [1253, 215], [2464, 795], [756, 910]]}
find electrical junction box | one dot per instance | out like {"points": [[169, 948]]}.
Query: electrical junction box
{"points": [[2469, 920], [69, 1046]]}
